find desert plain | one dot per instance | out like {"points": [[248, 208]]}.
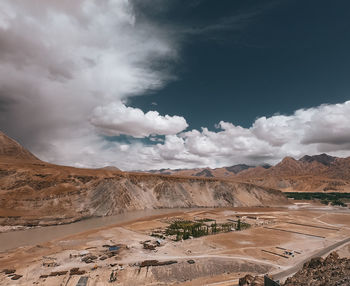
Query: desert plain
{"points": [[278, 242]]}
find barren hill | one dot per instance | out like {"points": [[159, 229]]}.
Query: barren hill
{"points": [[12, 150], [33, 192]]}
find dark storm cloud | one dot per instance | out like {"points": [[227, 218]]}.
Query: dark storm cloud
{"points": [[63, 61], [330, 136], [6, 101], [327, 147], [20, 48]]}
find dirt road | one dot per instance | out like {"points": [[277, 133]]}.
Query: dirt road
{"points": [[288, 272]]}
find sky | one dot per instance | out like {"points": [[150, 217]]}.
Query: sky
{"points": [[150, 84]]}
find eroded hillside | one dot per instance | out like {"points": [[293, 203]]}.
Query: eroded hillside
{"points": [[33, 192], [50, 192]]}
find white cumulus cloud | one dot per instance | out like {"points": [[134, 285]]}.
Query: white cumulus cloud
{"points": [[116, 119], [325, 128]]}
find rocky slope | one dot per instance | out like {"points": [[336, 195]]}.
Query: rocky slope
{"points": [[33, 192]]}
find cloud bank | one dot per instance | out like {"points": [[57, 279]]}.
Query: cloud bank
{"points": [[325, 128], [67, 71], [308, 131]]}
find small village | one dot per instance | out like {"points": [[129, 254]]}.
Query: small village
{"points": [[78, 267]]}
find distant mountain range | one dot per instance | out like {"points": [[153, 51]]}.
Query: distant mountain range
{"points": [[309, 173], [206, 172]]}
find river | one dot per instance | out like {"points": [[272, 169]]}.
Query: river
{"points": [[38, 235]]}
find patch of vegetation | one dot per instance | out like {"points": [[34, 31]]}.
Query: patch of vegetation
{"points": [[338, 203], [336, 199], [184, 229], [242, 225]]}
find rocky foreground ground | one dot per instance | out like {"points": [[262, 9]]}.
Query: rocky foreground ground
{"points": [[332, 271]]}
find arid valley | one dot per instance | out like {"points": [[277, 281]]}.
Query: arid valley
{"points": [[61, 225], [180, 143]]}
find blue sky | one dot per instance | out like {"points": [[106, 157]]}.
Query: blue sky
{"points": [[253, 58], [149, 84]]}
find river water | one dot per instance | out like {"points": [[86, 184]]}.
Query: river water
{"points": [[34, 236]]}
